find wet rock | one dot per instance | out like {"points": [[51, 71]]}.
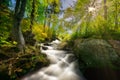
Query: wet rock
{"points": [[44, 47], [47, 44]]}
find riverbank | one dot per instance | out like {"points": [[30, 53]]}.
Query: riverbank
{"points": [[14, 65]]}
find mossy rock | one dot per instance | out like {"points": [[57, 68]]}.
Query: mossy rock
{"points": [[95, 53]]}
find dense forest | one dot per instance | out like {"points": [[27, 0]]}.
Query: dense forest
{"points": [[90, 29]]}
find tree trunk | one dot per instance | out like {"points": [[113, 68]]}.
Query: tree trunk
{"points": [[18, 15], [116, 14], [32, 14], [105, 10], [45, 20]]}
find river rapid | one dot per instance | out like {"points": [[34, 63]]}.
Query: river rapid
{"points": [[63, 64]]}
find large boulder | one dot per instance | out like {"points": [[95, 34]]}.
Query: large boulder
{"points": [[98, 56]]}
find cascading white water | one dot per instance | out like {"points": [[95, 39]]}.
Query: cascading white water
{"points": [[63, 65]]}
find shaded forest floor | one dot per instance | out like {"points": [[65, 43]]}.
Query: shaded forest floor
{"points": [[14, 65]]}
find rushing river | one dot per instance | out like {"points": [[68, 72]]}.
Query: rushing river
{"points": [[63, 65]]}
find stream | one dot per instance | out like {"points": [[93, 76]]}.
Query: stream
{"points": [[63, 65]]}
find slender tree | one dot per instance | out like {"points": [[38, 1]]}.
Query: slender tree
{"points": [[45, 13], [105, 10], [18, 16], [116, 14], [32, 14]]}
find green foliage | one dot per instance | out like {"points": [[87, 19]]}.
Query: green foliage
{"points": [[42, 33], [81, 7], [5, 2], [41, 9], [25, 24], [5, 25], [97, 28], [64, 36], [38, 31]]}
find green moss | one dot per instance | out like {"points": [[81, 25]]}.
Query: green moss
{"points": [[95, 53]]}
